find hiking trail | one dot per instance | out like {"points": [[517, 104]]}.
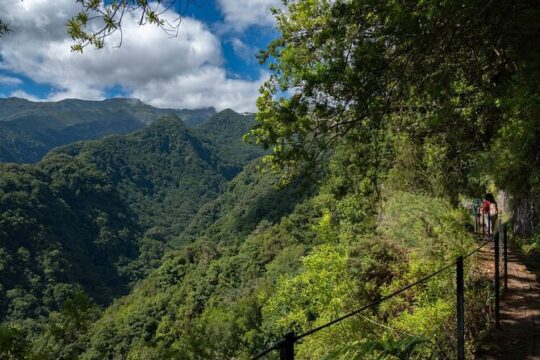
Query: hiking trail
{"points": [[519, 335]]}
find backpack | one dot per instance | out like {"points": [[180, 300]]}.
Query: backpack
{"points": [[493, 209]]}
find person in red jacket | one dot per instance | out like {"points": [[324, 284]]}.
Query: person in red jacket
{"points": [[490, 211]]}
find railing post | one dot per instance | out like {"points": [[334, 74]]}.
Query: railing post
{"points": [[496, 284], [505, 249], [286, 348], [460, 309], [489, 226]]}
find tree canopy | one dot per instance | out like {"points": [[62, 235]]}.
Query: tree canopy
{"points": [[449, 77]]}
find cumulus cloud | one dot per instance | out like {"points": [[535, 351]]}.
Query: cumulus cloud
{"points": [[209, 85], [24, 95], [246, 52], [9, 80], [240, 14], [184, 71]]}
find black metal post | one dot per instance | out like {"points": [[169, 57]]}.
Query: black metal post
{"points": [[505, 248], [496, 284], [489, 226], [460, 309], [286, 349]]}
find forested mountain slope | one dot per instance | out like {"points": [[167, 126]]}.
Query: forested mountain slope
{"points": [[164, 171], [29, 138], [28, 130], [202, 297], [167, 170], [260, 261], [267, 261], [62, 225], [99, 215], [225, 130]]}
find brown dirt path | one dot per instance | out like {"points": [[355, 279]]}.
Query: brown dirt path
{"points": [[519, 335]]}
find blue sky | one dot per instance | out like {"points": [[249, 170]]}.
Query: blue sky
{"points": [[210, 63]]}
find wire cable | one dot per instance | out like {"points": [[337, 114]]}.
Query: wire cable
{"points": [[261, 354], [477, 249], [278, 344], [373, 304]]}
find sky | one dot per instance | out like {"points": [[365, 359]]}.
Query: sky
{"points": [[211, 62]]}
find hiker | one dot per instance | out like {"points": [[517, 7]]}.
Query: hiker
{"points": [[475, 211], [490, 211]]}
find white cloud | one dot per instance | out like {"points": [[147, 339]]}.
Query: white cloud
{"points": [[9, 80], [24, 95], [209, 86], [247, 53], [240, 14], [185, 71]]}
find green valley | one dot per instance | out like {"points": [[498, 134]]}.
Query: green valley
{"points": [[99, 215]]}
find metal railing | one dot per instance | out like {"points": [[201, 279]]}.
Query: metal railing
{"points": [[286, 345]]}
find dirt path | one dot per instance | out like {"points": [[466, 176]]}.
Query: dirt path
{"points": [[519, 336]]}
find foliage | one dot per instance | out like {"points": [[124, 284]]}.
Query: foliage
{"points": [[315, 293], [447, 88], [65, 333], [200, 302], [405, 348], [516, 152], [415, 242], [427, 225], [45, 229], [4, 29], [99, 216], [99, 19], [225, 131], [13, 344]]}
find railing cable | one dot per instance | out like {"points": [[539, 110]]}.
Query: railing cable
{"points": [[477, 249], [291, 337], [375, 303]]}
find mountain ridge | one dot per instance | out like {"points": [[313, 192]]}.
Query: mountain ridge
{"points": [[28, 130], [13, 107]]}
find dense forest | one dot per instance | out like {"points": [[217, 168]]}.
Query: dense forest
{"points": [[380, 120], [92, 218]]}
